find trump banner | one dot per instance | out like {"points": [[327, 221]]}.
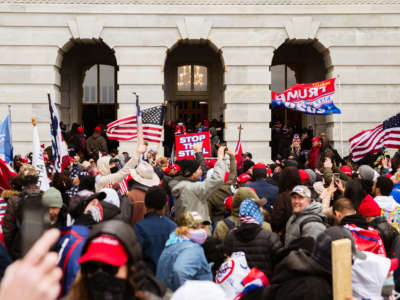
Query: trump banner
{"points": [[184, 144], [314, 98]]}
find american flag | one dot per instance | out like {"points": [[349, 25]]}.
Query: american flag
{"points": [[385, 135], [125, 129]]}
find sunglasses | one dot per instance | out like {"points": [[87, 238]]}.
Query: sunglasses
{"points": [[92, 267]]}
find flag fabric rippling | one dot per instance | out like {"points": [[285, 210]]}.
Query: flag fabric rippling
{"points": [[126, 129], [385, 135]]}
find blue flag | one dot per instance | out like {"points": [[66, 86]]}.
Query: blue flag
{"points": [[6, 148]]}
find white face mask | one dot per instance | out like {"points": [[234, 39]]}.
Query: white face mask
{"points": [[198, 236]]}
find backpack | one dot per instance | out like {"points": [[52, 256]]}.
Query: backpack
{"points": [[313, 218], [367, 239], [229, 223]]}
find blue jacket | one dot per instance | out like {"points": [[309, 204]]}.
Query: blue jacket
{"points": [[182, 260], [265, 190], [152, 233], [396, 192], [69, 248]]}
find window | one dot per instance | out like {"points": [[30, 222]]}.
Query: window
{"points": [[282, 78], [192, 78], [99, 85]]}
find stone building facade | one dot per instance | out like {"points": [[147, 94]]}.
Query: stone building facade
{"points": [[46, 46]]}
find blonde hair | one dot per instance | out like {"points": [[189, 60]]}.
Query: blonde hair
{"points": [[182, 230]]}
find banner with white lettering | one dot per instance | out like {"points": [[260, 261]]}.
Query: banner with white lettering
{"points": [[185, 142], [314, 98]]}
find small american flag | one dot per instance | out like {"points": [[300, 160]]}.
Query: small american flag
{"points": [[385, 135], [125, 129]]}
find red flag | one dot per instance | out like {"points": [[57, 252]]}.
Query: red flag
{"points": [[239, 154], [5, 174]]}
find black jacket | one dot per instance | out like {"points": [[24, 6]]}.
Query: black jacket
{"points": [[299, 277], [355, 219], [386, 231], [258, 244]]}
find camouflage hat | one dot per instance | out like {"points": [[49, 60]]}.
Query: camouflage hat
{"points": [[301, 190], [191, 219], [27, 170]]}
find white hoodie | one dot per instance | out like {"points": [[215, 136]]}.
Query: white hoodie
{"points": [[386, 203]]}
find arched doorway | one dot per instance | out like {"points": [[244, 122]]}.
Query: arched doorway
{"points": [[194, 83], [295, 61], [89, 85]]}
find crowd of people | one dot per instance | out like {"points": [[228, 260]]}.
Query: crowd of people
{"points": [[137, 226]]}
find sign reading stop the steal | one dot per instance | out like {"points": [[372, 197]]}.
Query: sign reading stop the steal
{"points": [[184, 144]]}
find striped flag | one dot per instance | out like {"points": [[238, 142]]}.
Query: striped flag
{"points": [[125, 129], [59, 148], [385, 135]]}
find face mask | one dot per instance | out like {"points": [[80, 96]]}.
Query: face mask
{"points": [[114, 169], [198, 236], [103, 286]]}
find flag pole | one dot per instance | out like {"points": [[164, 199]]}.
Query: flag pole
{"points": [[139, 122], [341, 115]]}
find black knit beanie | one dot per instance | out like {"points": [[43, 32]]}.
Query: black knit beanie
{"points": [[189, 166], [155, 198]]}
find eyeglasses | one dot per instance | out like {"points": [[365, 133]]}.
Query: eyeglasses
{"points": [[91, 267]]}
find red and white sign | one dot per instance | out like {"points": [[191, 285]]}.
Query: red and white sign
{"points": [[184, 144]]}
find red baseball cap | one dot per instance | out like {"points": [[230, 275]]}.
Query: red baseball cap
{"points": [[347, 170], [259, 166], [228, 203], [97, 129], [305, 178], [80, 130], [315, 139], [243, 178], [106, 249]]}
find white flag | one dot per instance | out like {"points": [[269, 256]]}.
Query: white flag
{"points": [[38, 161]]}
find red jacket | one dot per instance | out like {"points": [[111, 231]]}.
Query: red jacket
{"points": [[313, 157]]}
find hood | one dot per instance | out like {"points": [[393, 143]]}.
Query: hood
{"points": [[313, 208], [103, 164], [356, 219], [175, 238], [247, 232], [298, 261], [386, 202]]}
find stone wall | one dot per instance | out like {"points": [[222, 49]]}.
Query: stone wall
{"points": [[363, 43]]}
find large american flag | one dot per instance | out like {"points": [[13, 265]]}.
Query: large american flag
{"points": [[385, 135], [125, 129]]}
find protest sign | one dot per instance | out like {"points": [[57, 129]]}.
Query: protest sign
{"points": [[314, 98], [184, 144]]}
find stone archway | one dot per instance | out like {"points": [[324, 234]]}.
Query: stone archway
{"points": [[203, 97]]}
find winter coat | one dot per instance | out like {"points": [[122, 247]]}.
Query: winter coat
{"points": [[13, 221], [5, 260], [69, 247], [295, 228], [387, 232], [96, 143], [390, 210], [355, 219], [192, 195], [313, 157], [281, 212], [126, 209], [152, 233], [216, 205], [106, 179], [264, 190], [182, 260], [136, 195], [299, 277], [258, 244]]}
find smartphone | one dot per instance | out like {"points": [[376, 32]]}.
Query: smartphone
{"points": [[336, 178], [33, 220]]}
